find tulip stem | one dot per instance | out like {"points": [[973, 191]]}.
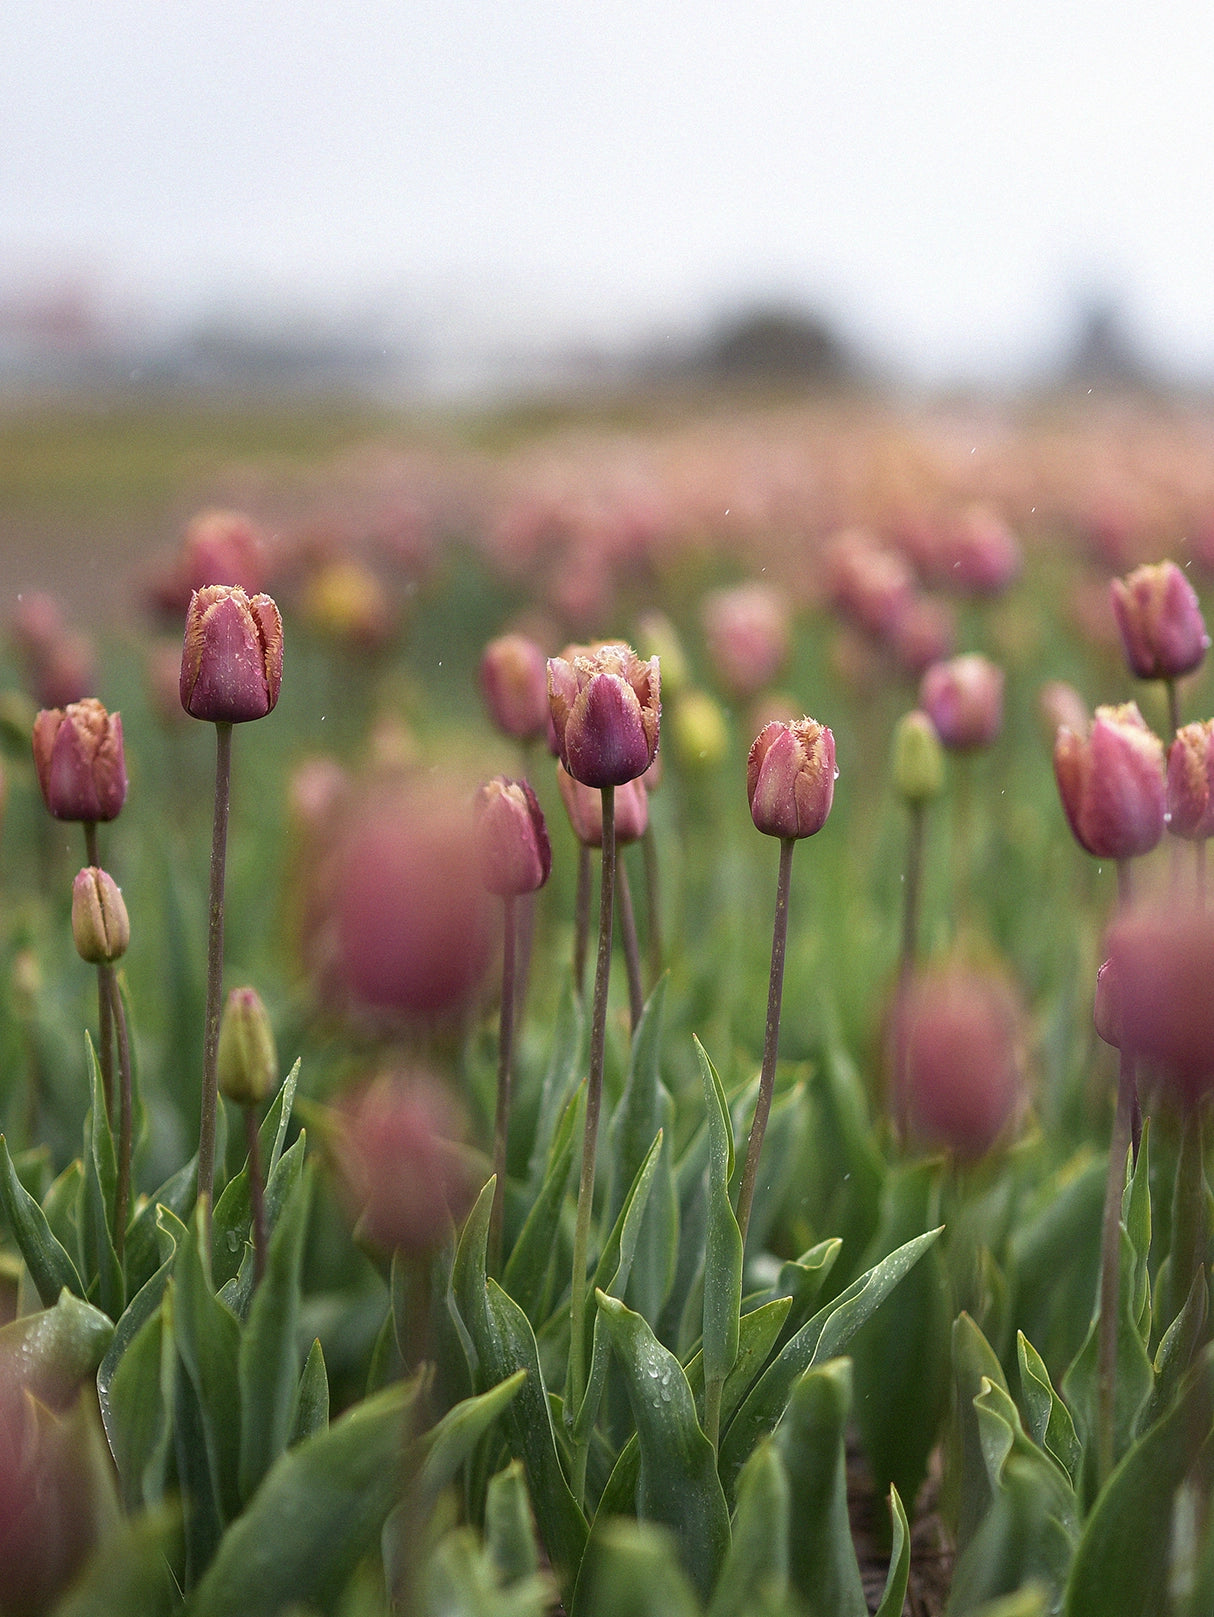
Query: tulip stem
{"points": [[632, 952], [771, 1039], [594, 1101], [210, 1046], [1173, 705], [257, 1198], [122, 1195], [653, 896], [1110, 1269], [912, 889], [581, 920], [505, 1064], [105, 1023]]}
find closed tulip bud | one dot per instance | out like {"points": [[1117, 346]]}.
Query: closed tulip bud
{"points": [[585, 809], [701, 734], [80, 761], [957, 1058], [1059, 705], [1163, 957], [790, 778], [1190, 782], [657, 634], [514, 853], [1111, 782], [344, 600], [101, 927], [964, 700], [1162, 629], [247, 1062], [747, 632], [514, 684], [231, 662], [918, 759], [606, 710]]}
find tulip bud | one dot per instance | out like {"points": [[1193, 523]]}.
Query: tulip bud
{"points": [[101, 927], [1060, 704], [659, 636], [1190, 782], [515, 855], [514, 683], [747, 633], [790, 778], [918, 759], [957, 1063], [247, 1061], [1163, 958], [964, 700], [231, 662], [701, 734], [1159, 617], [606, 710], [1106, 1008], [584, 806], [80, 762], [344, 600], [1111, 782]]}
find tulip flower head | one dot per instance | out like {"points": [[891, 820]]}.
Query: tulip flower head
{"points": [[1190, 782], [606, 709], [918, 762], [231, 662], [790, 778], [747, 632], [585, 809], [1159, 618], [248, 1056], [80, 761], [1162, 958], [515, 856], [514, 684], [1111, 782], [101, 928], [963, 697]]}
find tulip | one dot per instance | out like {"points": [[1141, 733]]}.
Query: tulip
{"points": [[515, 856], [964, 700], [1163, 960], [1159, 618], [248, 1057], [790, 778], [918, 760], [514, 684], [1190, 782], [231, 662], [747, 632], [80, 762], [585, 809], [1111, 782], [101, 927], [606, 711]]}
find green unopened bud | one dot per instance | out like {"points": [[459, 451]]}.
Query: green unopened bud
{"points": [[248, 1057], [701, 734], [100, 924], [918, 758]]}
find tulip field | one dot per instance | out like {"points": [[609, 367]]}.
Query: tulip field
{"points": [[611, 1012]]}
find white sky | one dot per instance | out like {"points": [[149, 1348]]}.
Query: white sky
{"points": [[945, 177]]}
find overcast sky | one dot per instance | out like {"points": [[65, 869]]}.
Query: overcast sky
{"points": [[947, 179]]}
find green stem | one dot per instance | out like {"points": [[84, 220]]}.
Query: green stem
{"points": [[771, 1040], [912, 889], [1187, 1256], [594, 1101], [505, 1064], [712, 1409], [581, 921], [122, 1196], [105, 1015], [632, 952], [257, 1199], [1173, 705], [210, 1046], [653, 909], [1110, 1270]]}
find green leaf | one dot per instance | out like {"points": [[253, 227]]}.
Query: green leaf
{"points": [[137, 1410], [758, 1332], [822, 1338], [129, 1570], [311, 1410], [1120, 1566], [723, 1249], [801, 1279], [268, 1355], [106, 1280], [1047, 1418], [1176, 1351], [280, 1183], [566, 1062], [975, 1365], [528, 1272], [811, 1439], [509, 1533], [450, 1443], [754, 1577], [319, 1510], [1016, 1539], [501, 1341], [57, 1347], [632, 1571], [678, 1484], [208, 1338], [142, 1307], [645, 1107], [894, 1596], [48, 1262], [143, 1254], [233, 1213]]}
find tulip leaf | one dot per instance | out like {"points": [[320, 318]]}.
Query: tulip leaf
{"points": [[449, 1444], [57, 1347], [137, 1406], [238, 1293], [723, 1247], [528, 1271], [318, 1511], [754, 1577], [1047, 1418], [811, 1441], [509, 1533], [129, 1570], [677, 1484], [143, 1254], [141, 1308], [801, 1279], [268, 1355], [565, 1063], [893, 1598], [208, 1338], [97, 1209], [632, 1571], [821, 1338], [50, 1266], [310, 1413], [233, 1214]]}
